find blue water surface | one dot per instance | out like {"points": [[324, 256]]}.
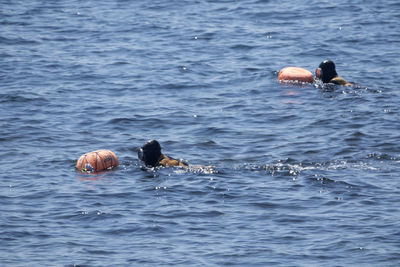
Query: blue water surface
{"points": [[303, 175]]}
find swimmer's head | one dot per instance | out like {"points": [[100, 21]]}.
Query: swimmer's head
{"points": [[150, 152], [326, 71]]}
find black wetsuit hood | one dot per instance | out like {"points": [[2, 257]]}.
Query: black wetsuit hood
{"points": [[150, 153], [327, 70]]}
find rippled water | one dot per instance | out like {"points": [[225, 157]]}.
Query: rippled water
{"points": [[303, 175]]}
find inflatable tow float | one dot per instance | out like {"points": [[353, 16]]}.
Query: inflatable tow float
{"points": [[96, 161], [295, 75]]}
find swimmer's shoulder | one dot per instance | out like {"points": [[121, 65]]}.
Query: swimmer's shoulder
{"points": [[340, 81], [166, 161]]}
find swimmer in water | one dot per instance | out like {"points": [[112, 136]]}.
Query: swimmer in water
{"points": [[326, 71], [150, 154]]}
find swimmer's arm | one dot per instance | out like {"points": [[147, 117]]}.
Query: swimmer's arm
{"points": [[340, 81], [166, 161], [171, 162]]}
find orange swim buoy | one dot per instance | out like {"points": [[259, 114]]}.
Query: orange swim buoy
{"points": [[98, 160], [295, 74]]}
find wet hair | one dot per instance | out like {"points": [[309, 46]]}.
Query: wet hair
{"points": [[327, 71], [150, 152]]}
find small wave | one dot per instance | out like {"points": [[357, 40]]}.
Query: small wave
{"points": [[265, 205], [197, 169], [242, 47], [121, 121], [336, 90], [320, 179], [17, 23], [16, 41], [285, 167], [7, 98], [382, 157]]}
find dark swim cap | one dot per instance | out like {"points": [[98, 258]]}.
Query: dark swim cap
{"points": [[326, 71], [150, 152]]}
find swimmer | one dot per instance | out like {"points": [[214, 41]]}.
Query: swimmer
{"points": [[150, 154], [326, 71]]}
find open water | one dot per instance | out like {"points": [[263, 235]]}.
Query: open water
{"points": [[303, 175]]}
